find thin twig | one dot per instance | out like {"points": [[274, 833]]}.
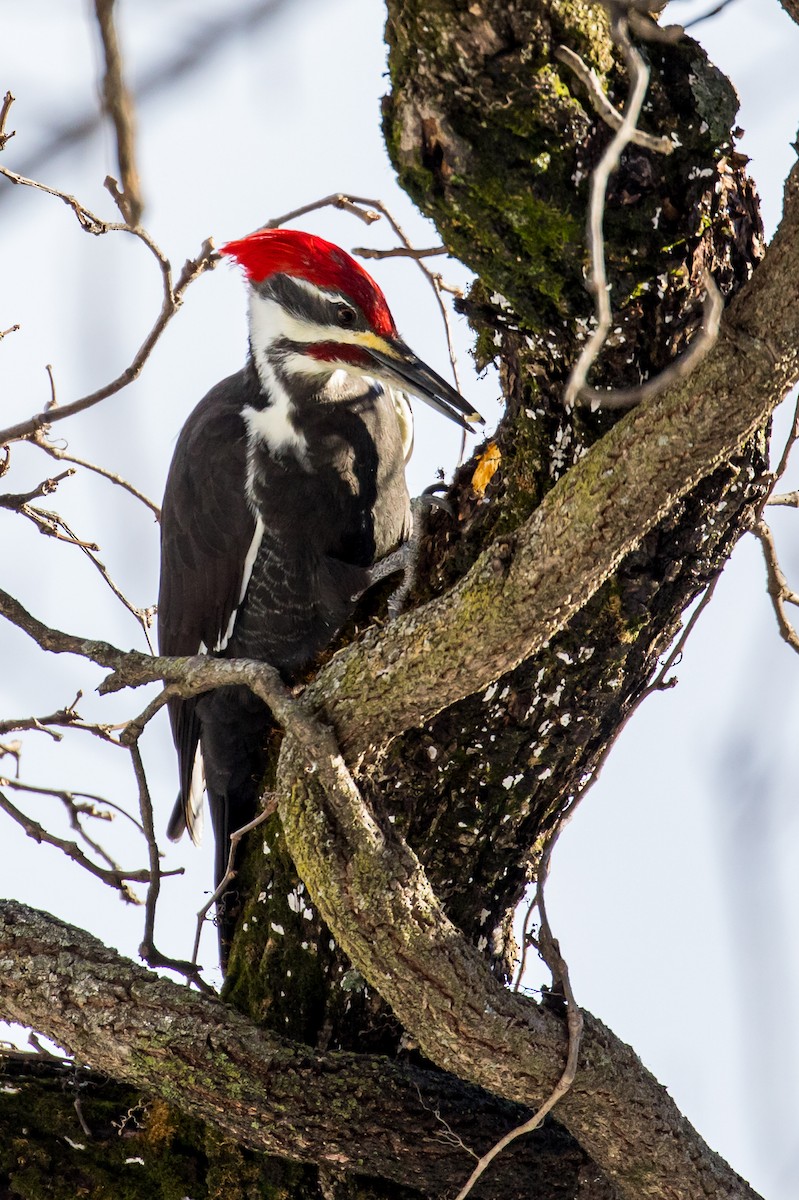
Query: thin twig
{"points": [[358, 207], [118, 104], [53, 402], [526, 943], [598, 281], [52, 524], [172, 298], [20, 501], [11, 329], [574, 1023], [56, 452], [603, 107], [70, 799], [702, 343], [398, 252], [786, 499], [115, 878], [13, 750], [777, 585], [148, 950], [269, 809], [5, 109]]}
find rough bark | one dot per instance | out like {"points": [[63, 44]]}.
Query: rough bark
{"points": [[345, 1113]]}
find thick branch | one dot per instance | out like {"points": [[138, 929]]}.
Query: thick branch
{"points": [[373, 893], [212, 1063], [524, 588]]}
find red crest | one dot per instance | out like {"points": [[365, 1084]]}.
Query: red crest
{"points": [[305, 256]]}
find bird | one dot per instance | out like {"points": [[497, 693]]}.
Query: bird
{"points": [[285, 493]]}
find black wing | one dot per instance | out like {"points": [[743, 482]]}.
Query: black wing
{"points": [[206, 530]]}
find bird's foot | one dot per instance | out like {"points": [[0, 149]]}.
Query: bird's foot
{"points": [[406, 557]]}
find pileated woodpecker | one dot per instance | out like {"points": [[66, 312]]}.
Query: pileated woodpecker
{"points": [[286, 487]]}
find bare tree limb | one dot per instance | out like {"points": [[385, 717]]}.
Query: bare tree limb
{"points": [[372, 891], [118, 104], [221, 1068]]}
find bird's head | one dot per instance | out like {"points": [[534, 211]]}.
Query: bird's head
{"points": [[315, 310]]}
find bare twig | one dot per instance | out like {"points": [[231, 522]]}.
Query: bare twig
{"points": [[87, 220], [20, 501], [52, 524], [603, 107], [115, 878], [268, 810], [57, 452], [12, 750], [53, 403], [577, 389], [777, 585], [527, 941], [118, 104], [67, 718], [598, 281], [147, 949], [11, 329], [786, 499], [398, 252], [550, 950], [172, 299], [358, 207], [702, 343], [72, 802], [5, 109]]}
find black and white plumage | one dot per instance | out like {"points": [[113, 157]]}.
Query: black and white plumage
{"points": [[286, 487]]}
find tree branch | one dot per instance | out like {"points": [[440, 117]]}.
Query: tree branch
{"points": [[525, 587], [210, 1062], [118, 104], [373, 893]]}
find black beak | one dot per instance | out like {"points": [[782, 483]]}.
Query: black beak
{"points": [[401, 366]]}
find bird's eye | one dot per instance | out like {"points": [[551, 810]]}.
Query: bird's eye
{"points": [[346, 316]]}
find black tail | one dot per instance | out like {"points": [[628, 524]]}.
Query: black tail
{"points": [[235, 729]]}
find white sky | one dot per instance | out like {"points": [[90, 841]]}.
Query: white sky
{"points": [[674, 891]]}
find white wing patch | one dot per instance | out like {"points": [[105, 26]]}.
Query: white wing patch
{"points": [[195, 799], [249, 563]]}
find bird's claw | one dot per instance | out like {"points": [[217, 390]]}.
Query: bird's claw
{"points": [[406, 557]]}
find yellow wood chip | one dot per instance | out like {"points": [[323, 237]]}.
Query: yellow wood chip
{"points": [[484, 471]]}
